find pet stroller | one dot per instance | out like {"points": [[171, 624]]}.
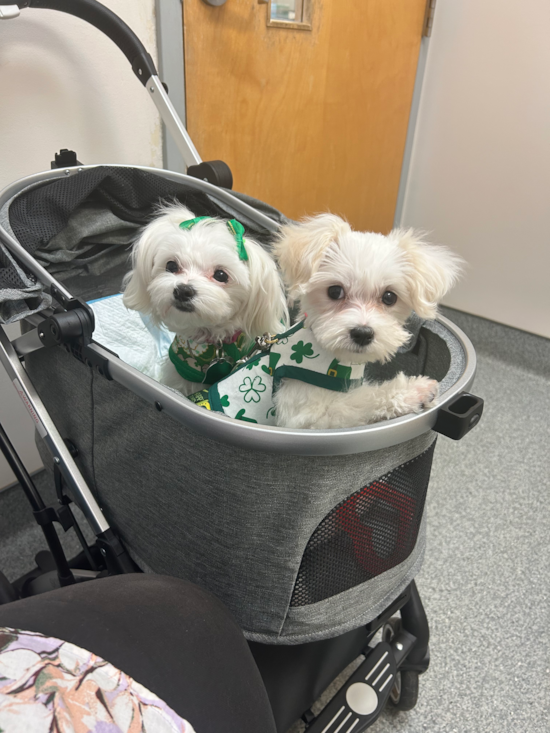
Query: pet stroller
{"points": [[312, 538]]}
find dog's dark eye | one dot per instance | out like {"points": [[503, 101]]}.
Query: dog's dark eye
{"points": [[221, 276], [335, 292], [172, 266], [389, 298]]}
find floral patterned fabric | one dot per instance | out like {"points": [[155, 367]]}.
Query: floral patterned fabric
{"points": [[207, 363], [51, 686]]}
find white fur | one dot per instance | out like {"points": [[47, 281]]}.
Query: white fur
{"points": [[251, 301], [324, 251]]}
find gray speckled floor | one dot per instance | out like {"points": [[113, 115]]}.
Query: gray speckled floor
{"points": [[485, 582], [486, 579], [21, 538]]}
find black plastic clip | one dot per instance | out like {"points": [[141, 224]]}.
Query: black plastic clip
{"points": [[73, 320], [213, 171], [50, 514], [66, 327], [114, 553], [45, 516], [65, 159], [72, 326], [459, 416]]}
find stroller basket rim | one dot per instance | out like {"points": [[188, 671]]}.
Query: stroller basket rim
{"points": [[343, 441]]}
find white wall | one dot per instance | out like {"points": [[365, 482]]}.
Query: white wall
{"points": [[479, 178], [63, 84]]}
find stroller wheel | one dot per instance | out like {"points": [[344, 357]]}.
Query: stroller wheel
{"points": [[391, 628], [404, 693]]}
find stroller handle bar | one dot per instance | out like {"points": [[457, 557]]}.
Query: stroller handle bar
{"points": [[108, 23], [142, 64]]}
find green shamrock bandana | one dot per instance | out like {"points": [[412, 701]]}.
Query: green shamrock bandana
{"points": [[234, 226], [207, 363], [247, 393]]}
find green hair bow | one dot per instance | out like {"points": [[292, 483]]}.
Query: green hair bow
{"points": [[234, 226]]}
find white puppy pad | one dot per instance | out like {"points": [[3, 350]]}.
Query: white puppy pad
{"points": [[132, 336]]}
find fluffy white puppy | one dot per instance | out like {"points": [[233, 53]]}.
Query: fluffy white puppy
{"points": [[202, 284], [356, 290]]}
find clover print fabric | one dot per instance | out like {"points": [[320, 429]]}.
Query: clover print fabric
{"points": [[301, 351], [247, 394], [49, 685]]}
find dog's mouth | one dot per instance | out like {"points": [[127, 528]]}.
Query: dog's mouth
{"points": [[358, 354], [184, 307], [355, 348]]}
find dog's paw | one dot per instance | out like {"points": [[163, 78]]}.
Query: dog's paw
{"points": [[423, 393], [404, 395]]}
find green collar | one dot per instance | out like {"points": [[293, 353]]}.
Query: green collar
{"points": [[234, 226]]}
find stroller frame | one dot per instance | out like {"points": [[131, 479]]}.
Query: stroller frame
{"points": [[403, 652]]}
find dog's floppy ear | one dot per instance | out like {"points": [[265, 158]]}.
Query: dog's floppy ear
{"points": [[432, 271], [266, 310], [168, 216], [301, 246], [136, 296]]}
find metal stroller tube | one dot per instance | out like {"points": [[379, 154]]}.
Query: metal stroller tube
{"points": [[108, 23]]}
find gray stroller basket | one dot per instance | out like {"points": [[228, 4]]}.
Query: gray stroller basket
{"points": [[306, 535]]}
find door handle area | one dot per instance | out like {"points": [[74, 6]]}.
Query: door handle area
{"points": [[215, 3]]}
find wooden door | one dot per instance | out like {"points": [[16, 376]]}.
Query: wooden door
{"points": [[308, 120]]}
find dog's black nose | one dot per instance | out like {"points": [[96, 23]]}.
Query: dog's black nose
{"points": [[362, 335], [184, 293]]}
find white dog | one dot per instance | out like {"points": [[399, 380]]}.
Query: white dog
{"points": [[356, 290], [210, 286]]}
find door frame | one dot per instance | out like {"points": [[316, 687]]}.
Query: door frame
{"points": [[169, 15], [411, 129]]}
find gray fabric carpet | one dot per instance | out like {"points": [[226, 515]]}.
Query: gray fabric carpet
{"points": [[485, 581], [21, 538]]}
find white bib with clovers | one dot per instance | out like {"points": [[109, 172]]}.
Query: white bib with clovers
{"points": [[247, 393]]}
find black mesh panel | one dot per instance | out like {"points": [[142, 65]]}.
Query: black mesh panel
{"points": [[368, 533]]}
